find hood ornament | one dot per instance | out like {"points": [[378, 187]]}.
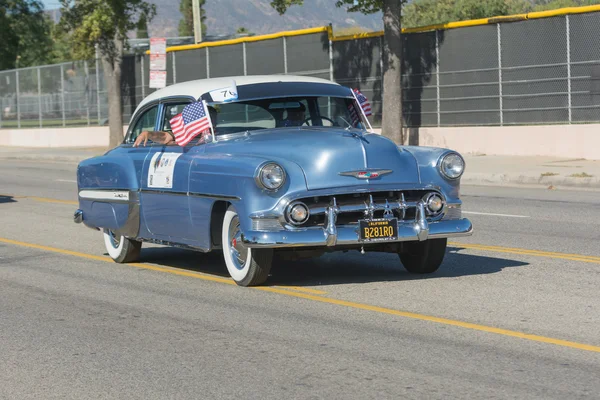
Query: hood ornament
{"points": [[367, 173]]}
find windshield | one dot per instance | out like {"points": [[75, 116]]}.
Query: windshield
{"points": [[328, 112]]}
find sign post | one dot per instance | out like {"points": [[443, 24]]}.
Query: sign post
{"points": [[158, 63]]}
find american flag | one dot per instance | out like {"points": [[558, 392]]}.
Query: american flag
{"points": [[353, 114], [364, 103], [193, 120]]}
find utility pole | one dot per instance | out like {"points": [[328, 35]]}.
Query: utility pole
{"points": [[197, 21]]}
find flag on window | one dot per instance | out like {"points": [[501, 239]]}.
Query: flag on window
{"points": [[364, 103], [193, 120], [353, 114]]}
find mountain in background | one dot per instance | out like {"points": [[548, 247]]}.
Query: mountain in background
{"points": [[224, 17]]}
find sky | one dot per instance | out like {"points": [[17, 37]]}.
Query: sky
{"points": [[50, 4]]}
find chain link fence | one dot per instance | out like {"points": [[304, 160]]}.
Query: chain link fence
{"points": [[543, 71]]}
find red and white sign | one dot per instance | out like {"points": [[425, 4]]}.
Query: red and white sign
{"points": [[158, 79], [158, 46], [158, 62]]}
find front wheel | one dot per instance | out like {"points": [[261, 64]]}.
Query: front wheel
{"points": [[247, 267], [120, 248], [424, 257]]}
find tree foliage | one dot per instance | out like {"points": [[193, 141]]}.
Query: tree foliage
{"points": [[186, 24], [543, 5], [24, 34], [102, 23], [432, 12]]}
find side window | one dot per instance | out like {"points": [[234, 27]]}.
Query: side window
{"points": [[171, 110], [144, 123]]}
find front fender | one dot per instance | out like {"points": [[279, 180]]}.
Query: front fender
{"points": [[427, 160], [232, 178]]}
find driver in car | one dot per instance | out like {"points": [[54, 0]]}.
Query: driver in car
{"points": [[166, 137], [295, 116]]}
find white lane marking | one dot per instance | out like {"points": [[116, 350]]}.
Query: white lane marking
{"points": [[496, 215], [65, 180]]}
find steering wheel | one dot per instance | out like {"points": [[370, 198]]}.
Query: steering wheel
{"points": [[320, 116]]}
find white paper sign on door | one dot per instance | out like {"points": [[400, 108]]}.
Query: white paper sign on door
{"points": [[162, 169]]}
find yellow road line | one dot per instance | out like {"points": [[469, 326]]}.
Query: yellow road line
{"points": [[302, 289], [43, 199], [526, 252], [344, 303]]}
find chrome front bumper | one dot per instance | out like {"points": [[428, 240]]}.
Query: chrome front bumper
{"points": [[349, 235]]}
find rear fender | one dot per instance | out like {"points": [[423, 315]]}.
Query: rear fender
{"points": [[108, 193]]}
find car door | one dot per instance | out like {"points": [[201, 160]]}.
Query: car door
{"points": [[165, 183]]}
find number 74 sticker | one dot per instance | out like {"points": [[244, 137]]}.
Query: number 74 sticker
{"points": [[223, 95]]}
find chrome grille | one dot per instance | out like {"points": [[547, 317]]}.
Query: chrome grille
{"points": [[266, 224], [356, 206]]}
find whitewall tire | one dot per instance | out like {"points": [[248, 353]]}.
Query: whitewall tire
{"points": [[247, 267], [120, 248]]}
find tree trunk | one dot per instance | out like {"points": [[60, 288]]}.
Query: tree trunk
{"points": [[392, 71], [112, 76]]}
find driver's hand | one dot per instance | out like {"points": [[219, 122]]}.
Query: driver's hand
{"points": [[143, 137]]}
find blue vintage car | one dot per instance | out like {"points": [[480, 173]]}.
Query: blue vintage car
{"points": [[291, 170]]}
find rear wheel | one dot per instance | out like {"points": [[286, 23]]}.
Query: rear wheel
{"points": [[120, 248], [423, 257], [247, 267]]}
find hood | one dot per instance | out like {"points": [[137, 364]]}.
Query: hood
{"points": [[329, 157]]}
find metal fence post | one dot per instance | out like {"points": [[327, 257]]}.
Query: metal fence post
{"points": [[174, 67], [62, 92], [142, 67], [437, 75], [330, 59], [98, 87], [39, 85], [86, 69], [285, 66], [207, 62], [18, 105], [569, 70], [244, 58], [500, 74]]}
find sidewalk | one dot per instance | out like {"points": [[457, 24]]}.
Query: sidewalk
{"points": [[541, 172]]}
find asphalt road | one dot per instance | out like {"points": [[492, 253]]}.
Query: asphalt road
{"points": [[514, 312]]}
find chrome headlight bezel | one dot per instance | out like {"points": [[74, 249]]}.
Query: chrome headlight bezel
{"points": [[261, 179], [445, 168], [288, 213]]}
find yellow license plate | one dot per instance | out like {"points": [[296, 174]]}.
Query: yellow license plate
{"points": [[378, 230]]}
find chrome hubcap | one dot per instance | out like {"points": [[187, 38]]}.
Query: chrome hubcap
{"points": [[114, 239], [239, 252]]}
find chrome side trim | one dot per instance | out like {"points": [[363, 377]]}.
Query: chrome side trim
{"points": [[173, 244], [206, 195], [110, 195]]}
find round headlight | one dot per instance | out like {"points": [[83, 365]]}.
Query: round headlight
{"points": [[271, 176], [298, 213], [452, 166]]}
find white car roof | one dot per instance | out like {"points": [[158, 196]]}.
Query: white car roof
{"points": [[198, 87]]}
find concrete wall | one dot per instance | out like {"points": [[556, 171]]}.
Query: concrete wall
{"points": [[95, 136], [571, 141]]}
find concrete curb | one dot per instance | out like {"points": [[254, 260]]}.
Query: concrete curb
{"points": [[552, 182]]}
